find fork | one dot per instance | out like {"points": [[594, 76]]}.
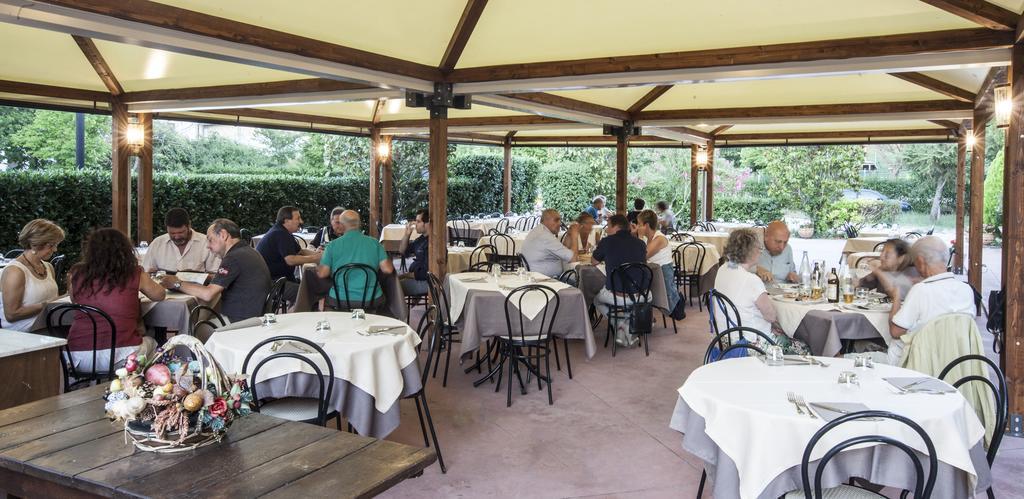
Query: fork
{"points": [[800, 400], [792, 399]]}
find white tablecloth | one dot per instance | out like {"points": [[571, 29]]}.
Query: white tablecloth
{"points": [[711, 256], [395, 232], [747, 414], [372, 363], [716, 239], [731, 226], [172, 313], [862, 244], [502, 244], [791, 313], [531, 306]]}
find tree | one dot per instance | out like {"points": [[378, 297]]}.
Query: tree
{"points": [[336, 154], [50, 139], [281, 145], [993, 211], [934, 165], [808, 178], [13, 155]]}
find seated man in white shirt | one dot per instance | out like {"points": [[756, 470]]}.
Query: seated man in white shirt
{"points": [[181, 248], [938, 294], [542, 250]]}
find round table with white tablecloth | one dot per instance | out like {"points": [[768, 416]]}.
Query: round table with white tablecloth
{"points": [[477, 305], [823, 325], [502, 244], [735, 415], [731, 226], [391, 236], [716, 239], [372, 371]]}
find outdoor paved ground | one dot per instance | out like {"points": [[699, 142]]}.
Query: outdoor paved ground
{"points": [[607, 434]]}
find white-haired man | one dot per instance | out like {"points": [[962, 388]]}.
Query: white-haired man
{"points": [[938, 294]]}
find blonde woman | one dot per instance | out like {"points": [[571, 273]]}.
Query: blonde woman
{"points": [[28, 282], [588, 235]]}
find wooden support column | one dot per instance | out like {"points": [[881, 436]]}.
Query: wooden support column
{"points": [[621, 170], [1013, 241], [387, 174], [507, 175], [374, 216], [709, 184], [438, 191], [145, 182], [120, 162], [961, 185], [977, 199], [694, 186]]}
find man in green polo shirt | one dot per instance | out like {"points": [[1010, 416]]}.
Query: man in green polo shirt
{"points": [[354, 247]]}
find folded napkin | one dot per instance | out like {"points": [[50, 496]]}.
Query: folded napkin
{"points": [[292, 347], [920, 384], [833, 410], [250, 322]]}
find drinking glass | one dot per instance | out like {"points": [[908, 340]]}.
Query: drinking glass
{"points": [[358, 314], [773, 356]]}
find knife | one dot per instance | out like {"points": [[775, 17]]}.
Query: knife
{"points": [[840, 411]]}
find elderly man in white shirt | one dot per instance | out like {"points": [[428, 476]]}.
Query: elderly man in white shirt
{"points": [[938, 294], [181, 248], [542, 250]]}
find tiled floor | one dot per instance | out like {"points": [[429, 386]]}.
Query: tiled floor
{"points": [[607, 434]]}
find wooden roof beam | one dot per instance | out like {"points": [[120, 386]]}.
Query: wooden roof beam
{"points": [[979, 12], [294, 117], [532, 139], [888, 53], [720, 129], [21, 88], [940, 109], [648, 99], [845, 134], [936, 85], [555, 106], [174, 29], [99, 64], [463, 30], [952, 125]]}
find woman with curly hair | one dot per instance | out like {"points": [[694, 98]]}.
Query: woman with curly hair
{"points": [[738, 282], [109, 278]]}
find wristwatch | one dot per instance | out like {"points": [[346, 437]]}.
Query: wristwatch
{"points": [[177, 285]]}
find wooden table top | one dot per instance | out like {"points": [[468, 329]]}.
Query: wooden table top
{"points": [[66, 446]]}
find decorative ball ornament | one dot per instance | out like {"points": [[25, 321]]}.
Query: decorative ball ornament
{"points": [[193, 402]]}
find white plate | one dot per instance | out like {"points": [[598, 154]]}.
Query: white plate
{"points": [[783, 299], [856, 307]]}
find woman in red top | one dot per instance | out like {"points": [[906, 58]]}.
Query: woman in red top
{"points": [[109, 278]]}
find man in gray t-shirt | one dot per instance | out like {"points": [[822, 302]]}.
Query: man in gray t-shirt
{"points": [[776, 262]]}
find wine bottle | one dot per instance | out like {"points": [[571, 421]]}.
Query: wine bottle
{"points": [[833, 287]]}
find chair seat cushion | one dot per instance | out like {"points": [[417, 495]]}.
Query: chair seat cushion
{"points": [[840, 492], [292, 408]]}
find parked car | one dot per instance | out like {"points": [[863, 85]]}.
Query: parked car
{"points": [[873, 195]]}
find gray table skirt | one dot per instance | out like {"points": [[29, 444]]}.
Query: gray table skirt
{"points": [[354, 404], [592, 280], [312, 288], [170, 314], [880, 464], [822, 330], [483, 316]]}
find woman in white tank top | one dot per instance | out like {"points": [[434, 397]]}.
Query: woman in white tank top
{"points": [[658, 252], [28, 282]]}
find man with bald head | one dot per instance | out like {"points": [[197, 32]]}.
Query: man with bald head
{"points": [[542, 250], [354, 247], [776, 263], [938, 294]]}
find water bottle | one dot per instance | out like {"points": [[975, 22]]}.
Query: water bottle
{"points": [[805, 275]]}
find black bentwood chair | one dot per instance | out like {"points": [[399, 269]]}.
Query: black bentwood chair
{"points": [[572, 278], [998, 393], [429, 324], [74, 378], [727, 315], [275, 302], [447, 334], [631, 303], [527, 341], [300, 409], [924, 478], [344, 301], [688, 276], [211, 322]]}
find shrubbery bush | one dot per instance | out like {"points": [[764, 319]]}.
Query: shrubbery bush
{"points": [[993, 211], [568, 188], [860, 213], [746, 208], [917, 193]]}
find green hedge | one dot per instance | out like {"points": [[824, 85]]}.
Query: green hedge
{"points": [[487, 170], [568, 188], [917, 193], [993, 211], [860, 213], [746, 208]]}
